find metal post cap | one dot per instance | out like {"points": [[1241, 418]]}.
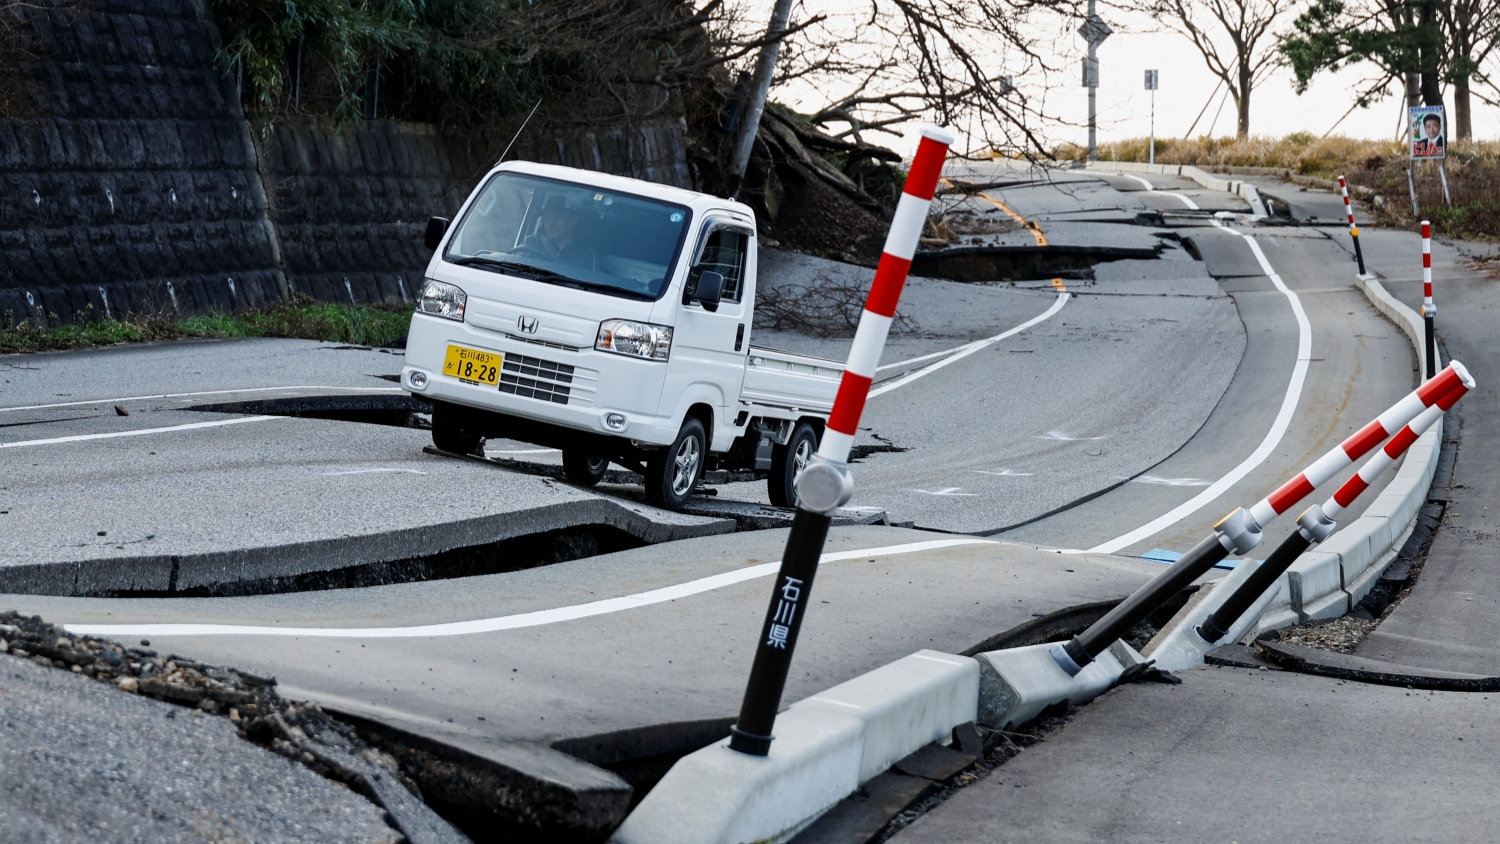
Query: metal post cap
{"points": [[824, 486], [1238, 532], [1315, 524]]}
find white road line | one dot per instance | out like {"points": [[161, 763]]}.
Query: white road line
{"points": [[1185, 199], [946, 352], [204, 393], [964, 351], [511, 622], [1267, 445], [140, 433]]}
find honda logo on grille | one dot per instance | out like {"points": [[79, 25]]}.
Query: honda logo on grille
{"points": [[526, 323]]}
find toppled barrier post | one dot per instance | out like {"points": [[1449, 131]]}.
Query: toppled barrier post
{"points": [[1241, 531], [1318, 522]]}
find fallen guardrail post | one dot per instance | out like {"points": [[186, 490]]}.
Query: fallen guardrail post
{"points": [[1359, 254], [1241, 530], [1318, 522], [1429, 310], [825, 485]]}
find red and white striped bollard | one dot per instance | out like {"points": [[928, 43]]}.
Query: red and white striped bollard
{"points": [[1318, 522], [825, 484], [1240, 531], [1359, 255], [1429, 310]]}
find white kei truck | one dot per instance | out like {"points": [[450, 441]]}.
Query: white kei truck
{"points": [[610, 318]]}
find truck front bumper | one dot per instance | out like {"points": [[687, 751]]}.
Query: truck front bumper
{"points": [[581, 389]]}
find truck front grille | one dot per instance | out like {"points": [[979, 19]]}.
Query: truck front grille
{"points": [[534, 378]]}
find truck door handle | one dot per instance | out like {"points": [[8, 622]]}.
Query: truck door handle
{"points": [[739, 337]]}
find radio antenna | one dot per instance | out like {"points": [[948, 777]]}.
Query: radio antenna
{"points": [[517, 135]]}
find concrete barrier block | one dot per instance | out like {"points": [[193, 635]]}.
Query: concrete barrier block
{"points": [[721, 796], [1015, 685], [1316, 575], [1332, 605], [1398, 497], [1178, 646], [1273, 618], [905, 705], [826, 746]]}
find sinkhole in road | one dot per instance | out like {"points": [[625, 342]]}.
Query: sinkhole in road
{"points": [[1022, 263]]}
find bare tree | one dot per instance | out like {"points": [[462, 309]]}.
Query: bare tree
{"points": [[879, 64], [1237, 39]]}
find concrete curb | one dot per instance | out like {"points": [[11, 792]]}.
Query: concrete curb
{"points": [[1329, 580], [826, 746], [1015, 685], [830, 744], [1244, 190]]}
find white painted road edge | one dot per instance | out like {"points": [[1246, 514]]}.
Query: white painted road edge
{"points": [[520, 620], [141, 432], [1267, 445], [964, 351]]}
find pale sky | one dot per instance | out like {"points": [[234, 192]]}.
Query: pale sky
{"points": [[1185, 85]]}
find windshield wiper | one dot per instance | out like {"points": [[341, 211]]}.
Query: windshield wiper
{"points": [[536, 273]]}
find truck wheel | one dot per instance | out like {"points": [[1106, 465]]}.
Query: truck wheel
{"points": [[672, 472], [455, 428], [787, 463], [584, 469]]}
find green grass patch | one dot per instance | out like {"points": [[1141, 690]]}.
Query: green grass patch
{"points": [[302, 318]]}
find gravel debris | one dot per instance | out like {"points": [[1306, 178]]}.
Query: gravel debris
{"points": [[1342, 635], [301, 732]]}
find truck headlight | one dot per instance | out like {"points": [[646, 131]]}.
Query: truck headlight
{"points": [[441, 299], [637, 339]]}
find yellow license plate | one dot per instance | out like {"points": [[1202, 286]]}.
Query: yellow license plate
{"points": [[473, 366]]}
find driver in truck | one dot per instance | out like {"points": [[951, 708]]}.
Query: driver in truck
{"points": [[556, 235]]}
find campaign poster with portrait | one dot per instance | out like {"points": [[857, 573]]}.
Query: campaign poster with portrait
{"points": [[1429, 129]]}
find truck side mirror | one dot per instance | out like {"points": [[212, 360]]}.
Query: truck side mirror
{"points": [[436, 228], [709, 291]]}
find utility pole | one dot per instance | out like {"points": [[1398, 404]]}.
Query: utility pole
{"points": [[1094, 31], [755, 102]]}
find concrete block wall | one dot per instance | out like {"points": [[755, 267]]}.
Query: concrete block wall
{"points": [[126, 168], [130, 181]]}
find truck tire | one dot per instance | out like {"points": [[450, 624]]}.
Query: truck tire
{"points": [[455, 428], [787, 463], [584, 469], [673, 472]]}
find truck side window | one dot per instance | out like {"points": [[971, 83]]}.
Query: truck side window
{"points": [[723, 252]]}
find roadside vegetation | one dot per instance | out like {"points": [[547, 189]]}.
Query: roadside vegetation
{"points": [[1380, 166], [302, 318]]}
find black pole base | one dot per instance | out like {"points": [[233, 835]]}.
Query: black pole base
{"points": [[1359, 255], [1210, 632], [749, 743]]}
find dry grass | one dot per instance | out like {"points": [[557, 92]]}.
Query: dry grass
{"points": [[1473, 173]]}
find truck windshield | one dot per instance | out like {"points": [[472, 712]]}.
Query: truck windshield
{"points": [[562, 232]]}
